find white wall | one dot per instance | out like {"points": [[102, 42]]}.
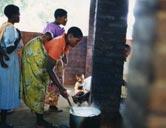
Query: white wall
{"points": [[78, 14]]}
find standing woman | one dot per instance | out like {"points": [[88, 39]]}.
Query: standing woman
{"points": [[9, 77], [55, 30]]}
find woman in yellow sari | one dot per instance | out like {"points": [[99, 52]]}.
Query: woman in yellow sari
{"points": [[38, 60]]}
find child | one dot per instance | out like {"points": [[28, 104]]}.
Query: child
{"points": [[81, 89], [55, 29], [79, 85]]}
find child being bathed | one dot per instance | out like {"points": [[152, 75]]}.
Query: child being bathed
{"points": [[81, 89]]}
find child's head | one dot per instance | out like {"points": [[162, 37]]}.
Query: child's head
{"points": [[60, 16], [74, 36], [46, 37], [80, 77]]}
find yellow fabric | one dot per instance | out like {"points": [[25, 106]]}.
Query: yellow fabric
{"points": [[34, 75], [3, 27]]}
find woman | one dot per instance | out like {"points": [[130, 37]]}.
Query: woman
{"points": [[10, 76], [38, 60]]}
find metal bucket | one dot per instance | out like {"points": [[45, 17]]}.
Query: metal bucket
{"points": [[85, 117]]}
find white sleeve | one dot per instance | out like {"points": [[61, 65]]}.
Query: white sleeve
{"points": [[9, 36]]}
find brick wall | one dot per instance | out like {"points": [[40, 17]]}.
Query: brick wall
{"points": [[77, 61], [26, 36], [76, 57]]}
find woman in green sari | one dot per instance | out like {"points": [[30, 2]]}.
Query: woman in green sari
{"points": [[38, 60], [34, 74]]}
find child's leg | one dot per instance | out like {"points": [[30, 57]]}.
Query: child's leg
{"points": [[84, 97]]}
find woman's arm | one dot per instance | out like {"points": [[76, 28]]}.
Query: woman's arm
{"points": [[54, 77]]}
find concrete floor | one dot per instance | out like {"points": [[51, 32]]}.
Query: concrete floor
{"points": [[24, 118]]}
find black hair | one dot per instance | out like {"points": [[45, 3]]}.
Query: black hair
{"points": [[11, 10], [60, 12], [48, 35], [75, 31]]}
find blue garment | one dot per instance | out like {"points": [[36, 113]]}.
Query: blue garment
{"points": [[10, 77]]}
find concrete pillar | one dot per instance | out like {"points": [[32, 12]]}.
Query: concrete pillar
{"points": [[110, 33], [90, 39]]}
